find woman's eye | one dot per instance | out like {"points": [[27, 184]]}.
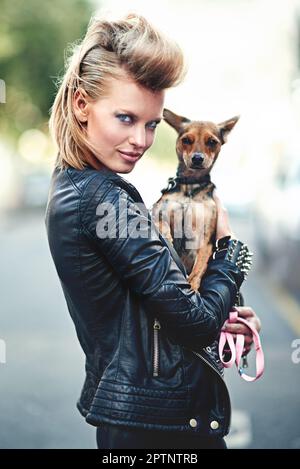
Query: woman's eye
{"points": [[127, 119], [153, 125], [124, 118]]}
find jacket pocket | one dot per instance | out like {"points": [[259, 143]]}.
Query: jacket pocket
{"points": [[156, 347], [166, 358]]}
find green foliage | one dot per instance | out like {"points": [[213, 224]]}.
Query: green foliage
{"points": [[34, 36], [34, 39]]}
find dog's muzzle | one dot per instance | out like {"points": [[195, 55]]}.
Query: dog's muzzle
{"points": [[197, 160]]}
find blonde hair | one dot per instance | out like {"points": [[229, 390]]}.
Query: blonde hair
{"points": [[130, 44]]}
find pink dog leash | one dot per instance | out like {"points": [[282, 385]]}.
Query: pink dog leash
{"points": [[236, 349]]}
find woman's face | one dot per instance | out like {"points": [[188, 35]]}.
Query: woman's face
{"points": [[122, 124]]}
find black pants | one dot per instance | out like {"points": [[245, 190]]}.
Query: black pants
{"points": [[118, 437]]}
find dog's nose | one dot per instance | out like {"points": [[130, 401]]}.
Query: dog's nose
{"points": [[197, 159]]}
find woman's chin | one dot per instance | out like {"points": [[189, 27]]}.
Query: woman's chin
{"points": [[125, 171], [119, 167], [124, 168]]}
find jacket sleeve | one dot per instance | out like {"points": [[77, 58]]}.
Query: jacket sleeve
{"points": [[125, 236]]}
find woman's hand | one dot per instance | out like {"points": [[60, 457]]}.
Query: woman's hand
{"points": [[223, 224], [238, 328]]}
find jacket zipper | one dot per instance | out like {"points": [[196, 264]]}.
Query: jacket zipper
{"points": [[156, 329], [223, 382]]}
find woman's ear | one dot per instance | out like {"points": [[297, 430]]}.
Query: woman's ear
{"points": [[80, 104]]}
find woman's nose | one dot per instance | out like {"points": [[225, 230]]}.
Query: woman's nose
{"points": [[138, 137]]}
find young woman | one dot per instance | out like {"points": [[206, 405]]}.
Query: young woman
{"points": [[153, 377]]}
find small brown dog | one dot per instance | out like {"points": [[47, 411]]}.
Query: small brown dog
{"points": [[186, 212]]}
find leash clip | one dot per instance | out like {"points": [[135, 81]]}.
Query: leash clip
{"points": [[245, 361], [236, 348]]}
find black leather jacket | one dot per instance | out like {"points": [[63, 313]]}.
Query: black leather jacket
{"points": [[149, 340]]}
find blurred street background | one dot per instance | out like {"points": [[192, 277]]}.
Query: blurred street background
{"points": [[243, 58]]}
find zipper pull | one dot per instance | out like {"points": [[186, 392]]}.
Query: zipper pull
{"points": [[156, 324]]}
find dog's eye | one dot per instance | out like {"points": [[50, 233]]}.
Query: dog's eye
{"points": [[186, 141], [211, 142]]}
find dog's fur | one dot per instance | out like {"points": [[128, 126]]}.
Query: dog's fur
{"points": [[190, 196]]}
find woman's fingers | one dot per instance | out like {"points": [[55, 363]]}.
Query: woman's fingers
{"points": [[237, 328], [248, 313], [245, 311], [248, 340]]}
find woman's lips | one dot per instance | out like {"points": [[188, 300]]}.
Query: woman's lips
{"points": [[130, 158]]}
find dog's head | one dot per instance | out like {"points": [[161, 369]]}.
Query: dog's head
{"points": [[198, 143]]}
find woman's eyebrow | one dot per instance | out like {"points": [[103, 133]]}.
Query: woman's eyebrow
{"points": [[158, 119]]}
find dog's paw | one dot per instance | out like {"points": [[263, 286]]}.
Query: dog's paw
{"points": [[195, 283]]}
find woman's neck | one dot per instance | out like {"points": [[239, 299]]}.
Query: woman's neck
{"points": [[94, 162]]}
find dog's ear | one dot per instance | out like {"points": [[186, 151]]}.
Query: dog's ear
{"points": [[226, 127], [174, 120]]}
